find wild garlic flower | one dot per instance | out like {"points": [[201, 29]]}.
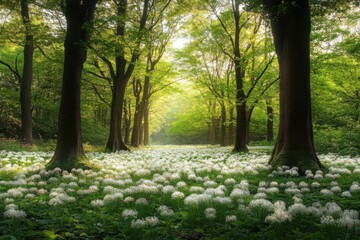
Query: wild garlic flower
{"points": [[177, 195], [14, 213], [97, 203], [129, 213], [210, 213], [230, 218]]}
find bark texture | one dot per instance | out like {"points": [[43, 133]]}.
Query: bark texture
{"points": [[69, 152], [291, 33], [26, 80]]}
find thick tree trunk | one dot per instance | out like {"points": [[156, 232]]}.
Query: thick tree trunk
{"points": [[269, 122], [231, 126], [291, 32], [223, 125], [69, 151], [26, 80]]}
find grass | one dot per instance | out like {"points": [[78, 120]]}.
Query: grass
{"points": [[145, 174]]}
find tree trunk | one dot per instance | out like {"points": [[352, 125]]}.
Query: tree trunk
{"points": [[270, 121], [240, 135], [231, 126], [146, 126], [69, 152], [26, 80], [127, 108], [223, 125], [123, 74], [212, 126], [248, 121], [135, 136], [127, 121], [115, 141], [291, 32]]}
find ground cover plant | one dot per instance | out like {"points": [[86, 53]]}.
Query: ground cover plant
{"points": [[178, 193]]}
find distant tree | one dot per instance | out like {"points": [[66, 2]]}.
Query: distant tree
{"points": [[25, 78], [290, 23], [69, 150]]}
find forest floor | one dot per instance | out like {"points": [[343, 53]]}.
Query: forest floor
{"points": [[173, 192]]}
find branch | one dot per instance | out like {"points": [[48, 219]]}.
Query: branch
{"points": [[260, 76], [265, 89], [162, 87], [97, 92], [160, 15], [14, 71], [222, 24], [45, 55]]}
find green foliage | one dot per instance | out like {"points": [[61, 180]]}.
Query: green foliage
{"points": [[337, 140]]}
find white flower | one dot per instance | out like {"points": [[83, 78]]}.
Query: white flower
{"points": [[11, 206], [346, 194], [263, 184], [354, 188], [274, 184], [327, 220], [303, 185], [129, 213], [181, 184], [138, 223], [223, 200], [210, 184], [129, 199], [165, 211], [196, 189], [326, 192], [279, 216], [261, 203], [152, 221], [168, 189], [113, 197], [93, 188], [13, 213], [229, 181], [297, 209], [141, 201], [55, 201], [97, 203], [336, 189], [230, 218], [210, 213], [29, 196], [237, 193], [272, 190], [315, 185], [42, 191], [260, 195], [8, 200], [177, 195]]}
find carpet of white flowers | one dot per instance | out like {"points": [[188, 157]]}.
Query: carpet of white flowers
{"points": [[178, 193]]}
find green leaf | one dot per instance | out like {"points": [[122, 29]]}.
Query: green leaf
{"points": [[50, 234]]}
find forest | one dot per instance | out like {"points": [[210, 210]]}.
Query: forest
{"points": [[179, 119]]}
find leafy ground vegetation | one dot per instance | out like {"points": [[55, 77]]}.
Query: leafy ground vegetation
{"points": [[178, 193]]}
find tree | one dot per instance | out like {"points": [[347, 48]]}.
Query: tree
{"points": [[290, 23], [69, 150], [26, 78]]}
